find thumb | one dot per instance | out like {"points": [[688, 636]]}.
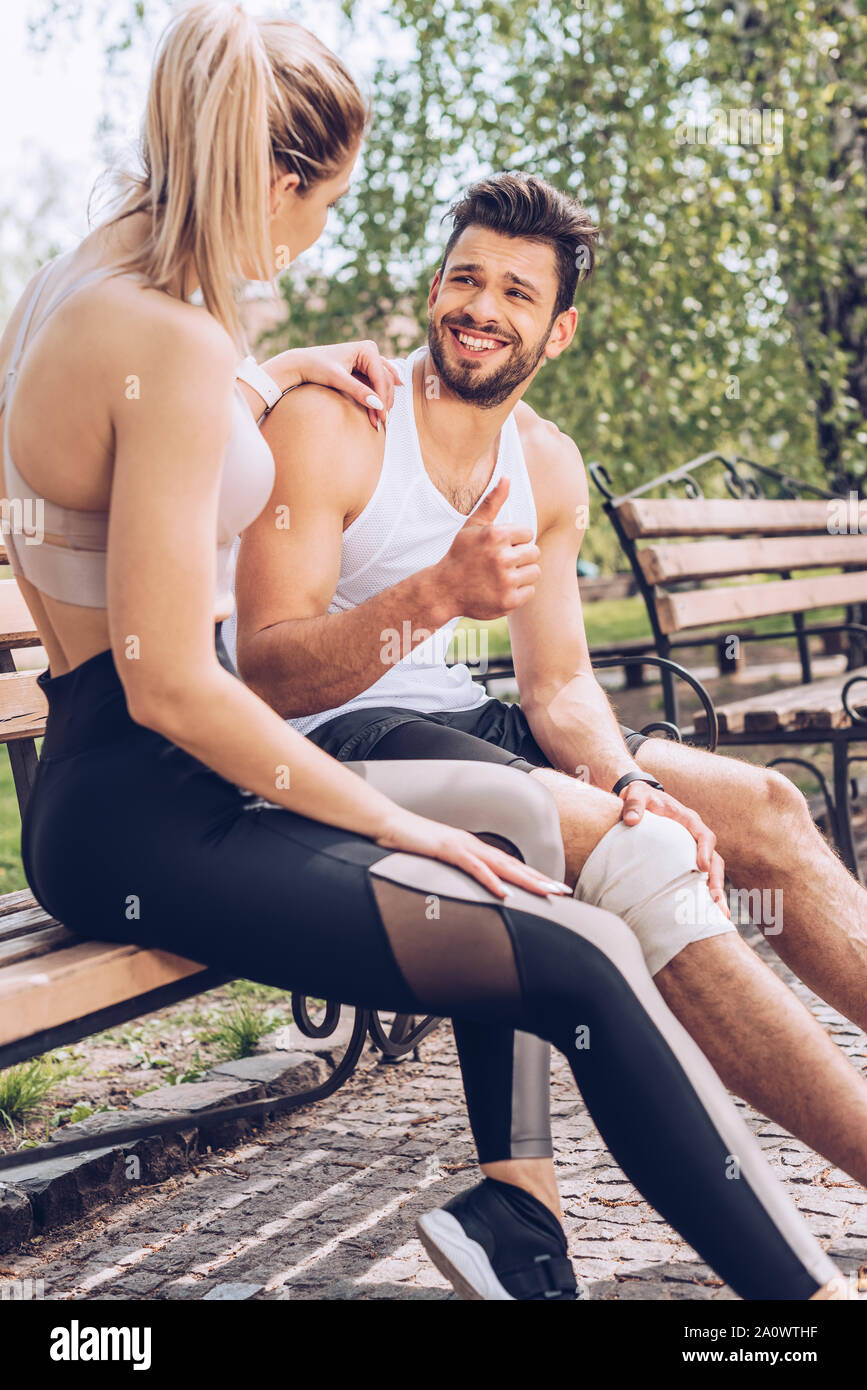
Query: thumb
{"points": [[488, 508], [632, 811]]}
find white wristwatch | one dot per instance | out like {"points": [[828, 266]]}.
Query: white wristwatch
{"points": [[264, 385]]}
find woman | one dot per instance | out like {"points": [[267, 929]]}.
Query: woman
{"points": [[175, 809]]}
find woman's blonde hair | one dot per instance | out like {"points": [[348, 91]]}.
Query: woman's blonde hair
{"points": [[234, 102]]}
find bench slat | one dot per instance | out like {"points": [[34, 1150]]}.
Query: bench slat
{"points": [[23, 706], [679, 516], [815, 706], [14, 902], [714, 559], [82, 979], [704, 607], [17, 628], [21, 923], [34, 943]]}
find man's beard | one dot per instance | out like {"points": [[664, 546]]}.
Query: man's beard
{"points": [[479, 388]]}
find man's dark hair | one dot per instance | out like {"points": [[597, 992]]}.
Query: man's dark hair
{"points": [[519, 205]]}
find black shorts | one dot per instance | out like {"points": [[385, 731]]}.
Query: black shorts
{"points": [[494, 732]]}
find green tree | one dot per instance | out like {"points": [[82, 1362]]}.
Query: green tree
{"points": [[728, 310], [811, 198]]}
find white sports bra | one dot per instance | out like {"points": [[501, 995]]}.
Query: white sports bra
{"points": [[75, 572]]}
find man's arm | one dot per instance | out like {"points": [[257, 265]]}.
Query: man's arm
{"points": [[568, 711], [291, 650]]}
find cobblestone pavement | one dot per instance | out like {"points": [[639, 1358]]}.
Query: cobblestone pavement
{"points": [[322, 1205]]}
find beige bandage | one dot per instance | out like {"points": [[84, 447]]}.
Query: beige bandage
{"points": [[647, 875]]}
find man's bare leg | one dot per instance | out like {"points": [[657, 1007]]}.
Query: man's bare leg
{"points": [[765, 1045], [769, 841]]}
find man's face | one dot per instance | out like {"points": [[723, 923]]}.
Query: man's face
{"points": [[490, 316]]}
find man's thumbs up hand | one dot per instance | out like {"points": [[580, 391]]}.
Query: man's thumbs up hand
{"points": [[486, 512], [491, 568]]}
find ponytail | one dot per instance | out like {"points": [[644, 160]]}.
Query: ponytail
{"points": [[233, 103]]}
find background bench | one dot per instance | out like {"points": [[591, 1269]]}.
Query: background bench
{"points": [[696, 559]]}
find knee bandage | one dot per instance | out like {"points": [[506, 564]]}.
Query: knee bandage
{"points": [[646, 874]]}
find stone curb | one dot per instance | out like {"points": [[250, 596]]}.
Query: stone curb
{"points": [[56, 1191]]}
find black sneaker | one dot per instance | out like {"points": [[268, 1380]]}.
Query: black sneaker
{"points": [[497, 1242]]}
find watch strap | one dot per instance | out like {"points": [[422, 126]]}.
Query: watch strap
{"points": [[624, 781], [264, 385]]}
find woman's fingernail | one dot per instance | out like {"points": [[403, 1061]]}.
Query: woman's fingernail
{"points": [[374, 401]]}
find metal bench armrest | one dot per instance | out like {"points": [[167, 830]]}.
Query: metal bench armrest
{"points": [[692, 681]]}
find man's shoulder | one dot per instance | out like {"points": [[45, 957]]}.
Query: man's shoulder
{"points": [[318, 437], [314, 405], [554, 464]]}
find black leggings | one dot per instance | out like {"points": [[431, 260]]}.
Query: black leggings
{"points": [[128, 838]]}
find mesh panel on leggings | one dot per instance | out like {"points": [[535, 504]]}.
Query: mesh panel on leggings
{"points": [[450, 953]]}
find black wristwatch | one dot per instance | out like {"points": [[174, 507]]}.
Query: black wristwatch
{"points": [[635, 777]]}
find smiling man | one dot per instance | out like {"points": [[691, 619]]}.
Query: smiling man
{"points": [[469, 504]]}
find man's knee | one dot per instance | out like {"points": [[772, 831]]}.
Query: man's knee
{"points": [[775, 812], [647, 875], [782, 798]]}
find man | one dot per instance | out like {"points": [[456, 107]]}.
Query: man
{"points": [[471, 505]]}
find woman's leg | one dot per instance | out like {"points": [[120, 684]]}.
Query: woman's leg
{"points": [[269, 895], [567, 972], [435, 771], [576, 976]]}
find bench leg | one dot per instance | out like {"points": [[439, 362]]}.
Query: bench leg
{"points": [[634, 676], [403, 1037], [23, 758], [669, 694], [400, 1030], [844, 837], [729, 665]]}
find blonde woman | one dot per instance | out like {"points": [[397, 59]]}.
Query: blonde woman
{"points": [[174, 808]]}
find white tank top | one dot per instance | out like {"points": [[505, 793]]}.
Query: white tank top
{"points": [[407, 525]]}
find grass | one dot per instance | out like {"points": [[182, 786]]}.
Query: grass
{"points": [[23, 1088], [239, 1033]]}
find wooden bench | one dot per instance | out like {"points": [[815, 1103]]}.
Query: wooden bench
{"points": [[707, 566]]}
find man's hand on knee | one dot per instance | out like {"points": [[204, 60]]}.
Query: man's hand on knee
{"points": [[639, 797]]}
